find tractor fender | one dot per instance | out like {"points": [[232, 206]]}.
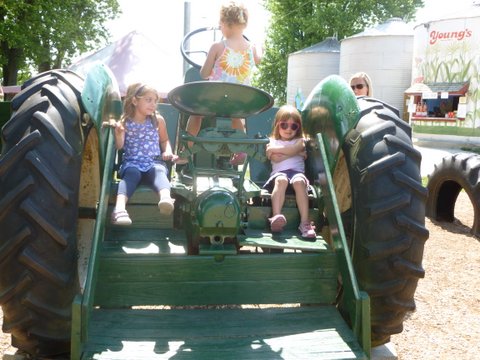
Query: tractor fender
{"points": [[101, 100], [331, 110]]}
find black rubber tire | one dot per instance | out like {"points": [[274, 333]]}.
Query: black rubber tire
{"points": [[387, 216], [454, 173], [39, 185]]}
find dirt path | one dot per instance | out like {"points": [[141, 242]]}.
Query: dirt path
{"points": [[446, 324]]}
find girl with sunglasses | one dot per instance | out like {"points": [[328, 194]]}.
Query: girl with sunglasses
{"points": [[361, 84], [286, 151]]}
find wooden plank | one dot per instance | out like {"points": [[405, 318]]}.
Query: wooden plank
{"points": [[176, 268], [119, 294], [120, 238], [142, 195], [276, 333], [146, 217], [258, 217], [142, 208], [183, 280]]}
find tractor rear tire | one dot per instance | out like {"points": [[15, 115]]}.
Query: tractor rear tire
{"points": [[387, 230], [40, 169], [454, 173]]}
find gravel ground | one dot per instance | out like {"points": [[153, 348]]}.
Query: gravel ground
{"points": [[446, 324]]}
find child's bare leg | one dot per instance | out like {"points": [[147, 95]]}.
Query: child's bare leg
{"points": [[301, 197], [238, 158], [278, 194], [278, 221], [306, 228], [194, 124], [238, 123]]}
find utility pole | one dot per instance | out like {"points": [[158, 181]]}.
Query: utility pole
{"points": [[186, 30]]}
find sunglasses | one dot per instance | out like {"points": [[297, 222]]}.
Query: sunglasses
{"points": [[358, 86], [285, 126]]}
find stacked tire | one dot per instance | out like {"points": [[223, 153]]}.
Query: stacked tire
{"points": [[453, 174]]}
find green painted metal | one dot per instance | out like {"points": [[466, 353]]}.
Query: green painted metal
{"points": [[101, 99], [83, 304], [217, 212], [150, 279], [354, 302], [331, 110], [225, 142], [219, 99], [288, 239]]}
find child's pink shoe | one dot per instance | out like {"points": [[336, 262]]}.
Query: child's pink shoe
{"points": [[277, 223], [307, 230]]}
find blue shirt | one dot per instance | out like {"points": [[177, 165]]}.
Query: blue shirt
{"points": [[142, 145]]}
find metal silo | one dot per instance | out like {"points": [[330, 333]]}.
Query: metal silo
{"points": [[385, 54], [307, 67]]}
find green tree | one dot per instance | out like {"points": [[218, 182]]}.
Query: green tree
{"points": [[47, 34], [297, 24]]}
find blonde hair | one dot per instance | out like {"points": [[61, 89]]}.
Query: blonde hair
{"points": [[137, 90], [364, 76], [284, 113], [234, 14]]}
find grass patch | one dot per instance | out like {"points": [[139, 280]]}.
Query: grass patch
{"points": [[446, 130], [425, 181], [473, 149]]}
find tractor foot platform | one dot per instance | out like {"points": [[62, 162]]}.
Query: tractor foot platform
{"points": [[302, 332], [288, 240]]}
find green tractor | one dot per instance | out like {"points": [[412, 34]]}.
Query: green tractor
{"points": [[210, 281]]}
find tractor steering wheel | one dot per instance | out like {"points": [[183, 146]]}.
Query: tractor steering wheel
{"points": [[187, 53]]}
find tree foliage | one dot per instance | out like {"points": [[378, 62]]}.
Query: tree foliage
{"points": [[297, 24], [47, 34]]}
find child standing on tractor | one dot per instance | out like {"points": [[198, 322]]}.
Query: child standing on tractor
{"points": [[231, 60], [143, 136], [286, 151]]}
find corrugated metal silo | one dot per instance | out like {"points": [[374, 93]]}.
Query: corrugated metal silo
{"points": [[307, 67], [385, 54]]}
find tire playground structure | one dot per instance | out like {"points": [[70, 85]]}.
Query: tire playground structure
{"points": [[453, 174], [211, 280]]}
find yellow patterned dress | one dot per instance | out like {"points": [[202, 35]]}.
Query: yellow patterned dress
{"points": [[233, 66]]}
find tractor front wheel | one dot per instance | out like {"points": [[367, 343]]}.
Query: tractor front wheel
{"points": [[40, 171], [386, 220]]}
